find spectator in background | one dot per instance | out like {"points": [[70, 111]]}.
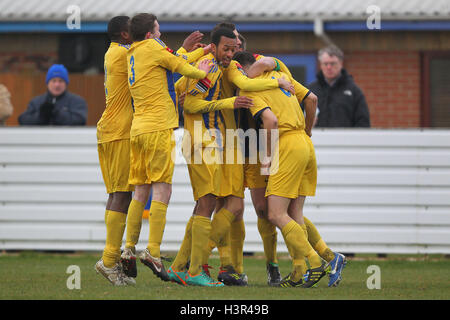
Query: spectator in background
{"points": [[341, 102], [58, 106], [6, 108]]}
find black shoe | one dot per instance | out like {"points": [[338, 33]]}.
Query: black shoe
{"points": [[273, 274], [228, 276], [287, 282], [155, 264], [313, 276], [128, 262]]}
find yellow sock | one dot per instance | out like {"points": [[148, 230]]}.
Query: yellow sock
{"points": [[237, 237], [201, 228], [134, 222], [268, 234], [106, 215], [296, 240], [323, 251], [302, 264], [317, 242], [157, 223], [312, 254], [299, 268], [184, 254], [115, 227], [224, 250], [313, 234], [220, 226], [305, 231], [292, 237]]}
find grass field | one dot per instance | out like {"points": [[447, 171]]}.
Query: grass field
{"points": [[42, 276]]}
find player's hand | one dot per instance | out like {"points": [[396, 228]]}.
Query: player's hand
{"points": [[207, 49], [181, 98], [205, 65], [192, 39], [309, 133], [286, 85], [198, 45], [243, 102]]}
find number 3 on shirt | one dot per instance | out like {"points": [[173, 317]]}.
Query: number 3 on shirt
{"points": [[133, 76]]}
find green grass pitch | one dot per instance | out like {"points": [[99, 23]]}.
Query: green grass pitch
{"points": [[43, 276]]}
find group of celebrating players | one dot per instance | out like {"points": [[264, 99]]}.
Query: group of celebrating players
{"points": [[222, 88]]}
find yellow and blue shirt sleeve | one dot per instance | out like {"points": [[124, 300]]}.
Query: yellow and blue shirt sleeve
{"points": [[192, 56], [301, 92], [171, 61], [203, 95], [237, 76], [259, 105]]}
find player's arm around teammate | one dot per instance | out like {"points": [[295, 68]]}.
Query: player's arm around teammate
{"points": [[201, 107], [336, 260], [150, 72], [292, 176]]}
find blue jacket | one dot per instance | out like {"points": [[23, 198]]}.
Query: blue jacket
{"points": [[69, 110]]}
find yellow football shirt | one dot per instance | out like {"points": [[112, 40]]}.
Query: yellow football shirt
{"points": [[235, 78], [115, 122], [202, 103], [283, 104], [284, 69], [192, 56], [151, 65]]}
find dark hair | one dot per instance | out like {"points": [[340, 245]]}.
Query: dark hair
{"points": [[116, 26], [221, 32], [141, 24], [227, 25], [244, 58], [244, 42]]}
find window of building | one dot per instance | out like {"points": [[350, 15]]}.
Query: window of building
{"points": [[302, 66], [436, 92]]}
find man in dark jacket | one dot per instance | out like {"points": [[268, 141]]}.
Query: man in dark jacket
{"points": [[341, 102], [57, 106]]}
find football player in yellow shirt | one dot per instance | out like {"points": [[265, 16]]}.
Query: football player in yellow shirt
{"points": [[113, 140], [204, 119], [150, 78], [233, 79], [293, 173], [231, 250], [257, 185]]}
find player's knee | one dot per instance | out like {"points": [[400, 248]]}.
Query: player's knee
{"points": [[121, 201], [261, 209], [272, 217], [239, 215], [162, 192], [235, 205], [206, 205], [142, 193]]}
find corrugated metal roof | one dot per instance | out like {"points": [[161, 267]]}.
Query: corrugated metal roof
{"points": [[214, 10]]}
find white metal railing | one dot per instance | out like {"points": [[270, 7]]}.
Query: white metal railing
{"points": [[380, 191]]}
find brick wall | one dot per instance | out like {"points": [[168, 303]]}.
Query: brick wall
{"points": [[391, 82], [28, 53]]}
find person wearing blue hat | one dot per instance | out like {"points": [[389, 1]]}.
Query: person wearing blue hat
{"points": [[57, 106]]}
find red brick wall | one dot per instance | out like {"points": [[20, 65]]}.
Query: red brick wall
{"points": [[391, 82]]}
